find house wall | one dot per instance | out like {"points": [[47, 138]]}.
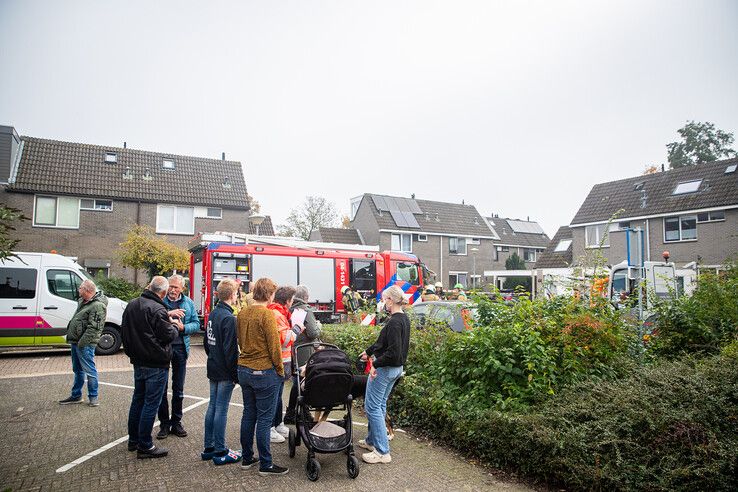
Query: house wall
{"points": [[100, 233], [365, 222], [716, 242]]}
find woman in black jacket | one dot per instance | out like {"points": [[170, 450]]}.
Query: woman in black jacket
{"points": [[388, 355]]}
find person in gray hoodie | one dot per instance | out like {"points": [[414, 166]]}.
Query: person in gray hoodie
{"points": [[308, 330], [83, 333]]}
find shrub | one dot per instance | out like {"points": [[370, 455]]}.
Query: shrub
{"points": [[118, 287]]}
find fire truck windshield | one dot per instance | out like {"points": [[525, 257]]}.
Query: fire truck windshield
{"points": [[407, 272]]}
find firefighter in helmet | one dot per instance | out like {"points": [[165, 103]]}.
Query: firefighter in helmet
{"points": [[439, 290], [352, 303], [429, 294]]}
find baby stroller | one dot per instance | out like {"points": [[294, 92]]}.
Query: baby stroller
{"points": [[327, 386]]}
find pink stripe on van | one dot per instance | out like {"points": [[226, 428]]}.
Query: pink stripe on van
{"points": [[21, 322]]}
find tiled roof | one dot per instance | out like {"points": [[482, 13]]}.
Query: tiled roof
{"points": [[557, 259], [265, 228], [336, 235], [718, 189], [509, 237], [51, 166], [437, 217]]}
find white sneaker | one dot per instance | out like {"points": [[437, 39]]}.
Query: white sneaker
{"points": [[275, 436], [362, 444], [283, 430], [375, 457]]}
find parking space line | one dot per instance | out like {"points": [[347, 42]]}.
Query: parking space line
{"points": [[131, 387], [121, 440]]}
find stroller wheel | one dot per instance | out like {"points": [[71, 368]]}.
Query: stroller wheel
{"points": [[352, 466], [312, 469], [292, 441]]}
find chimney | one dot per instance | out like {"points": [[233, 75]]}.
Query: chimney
{"points": [[222, 156], [125, 145], [9, 147], [412, 196], [662, 167], [528, 218]]}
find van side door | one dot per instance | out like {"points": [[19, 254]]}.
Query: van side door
{"points": [[19, 301], [57, 302]]}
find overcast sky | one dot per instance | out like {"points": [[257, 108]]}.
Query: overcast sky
{"points": [[517, 107]]}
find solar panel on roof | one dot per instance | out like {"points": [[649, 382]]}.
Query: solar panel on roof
{"points": [[399, 218], [410, 220], [525, 227], [380, 203]]}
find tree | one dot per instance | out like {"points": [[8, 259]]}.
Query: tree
{"points": [[650, 170], [346, 222], [701, 142], [515, 262], [8, 217], [253, 204], [142, 250], [313, 213]]}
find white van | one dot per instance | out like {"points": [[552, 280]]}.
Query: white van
{"points": [[38, 297]]}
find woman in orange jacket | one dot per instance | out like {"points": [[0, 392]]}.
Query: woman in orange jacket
{"points": [[281, 309]]}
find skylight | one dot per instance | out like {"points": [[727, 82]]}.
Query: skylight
{"points": [[111, 157], [731, 168], [563, 245], [168, 164], [687, 187]]}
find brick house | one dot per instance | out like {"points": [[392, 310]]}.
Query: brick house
{"points": [[453, 240], [558, 254], [82, 199], [341, 235], [524, 237], [692, 212]]}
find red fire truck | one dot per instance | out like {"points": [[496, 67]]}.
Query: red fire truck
{"points": [[323, 267]]}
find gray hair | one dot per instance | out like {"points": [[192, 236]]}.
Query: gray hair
{"points": [[88, 285], [177, 278], [301, 292], [395, 294], [159, 284]]}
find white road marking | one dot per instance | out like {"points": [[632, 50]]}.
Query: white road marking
{"points": [[121, 440], [131, 387]]}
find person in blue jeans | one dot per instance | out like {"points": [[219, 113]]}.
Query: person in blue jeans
{"points": [[260, 374], [221, 345], [182, 310], [147, 332], [83, 333], [388, 355]]}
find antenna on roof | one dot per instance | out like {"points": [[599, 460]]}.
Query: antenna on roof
{"points": [[222, 156], [125, 145], [528, 218], [662, 167]]}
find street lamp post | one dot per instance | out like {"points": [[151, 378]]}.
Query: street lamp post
{"points": [[474, 267], [257, 220]]}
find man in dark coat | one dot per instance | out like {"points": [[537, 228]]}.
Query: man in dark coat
{"points": [[147, 332]]}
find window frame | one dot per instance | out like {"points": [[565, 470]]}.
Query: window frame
{"points": [[400, 237], [56, 212], [159, 206], [95, 208], [526, 251], [422, 238], [75, 286], [691, 181], [458, 242], [709, 216], [208, 216], [110, 157], [603, 238], [559, 249], [168, 160], [680, 219], [16, 269]]}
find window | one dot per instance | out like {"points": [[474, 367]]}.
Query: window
{"points": [[682, 228], [100, 205], [457, 278], [474, 240], [172, 219], [111, 157], [402, 242], [711, 216], [52, 211], [408, 272], [529, 255], [98, 272], [167, 163], [457, 245], [687, 187], [596, 236], [563, 245], [731, 168], [363, 277], [63, 283], [505, 249], [215, 213], [17, 283], [423, 238]]}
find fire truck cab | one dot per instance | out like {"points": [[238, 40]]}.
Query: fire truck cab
{"points": [[323, 267]]}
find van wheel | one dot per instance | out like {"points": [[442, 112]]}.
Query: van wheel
{"points": [[109, 341]]}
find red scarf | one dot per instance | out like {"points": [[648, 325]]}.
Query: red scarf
{"points": [[280, 308]]}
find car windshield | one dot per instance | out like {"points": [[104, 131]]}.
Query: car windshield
{"points": [[421, 309]]}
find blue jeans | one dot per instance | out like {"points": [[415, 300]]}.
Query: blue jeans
{"points": [[148, 386], [375, 405], [83, 364], [217, 414], [259, 390], [179, 370]]}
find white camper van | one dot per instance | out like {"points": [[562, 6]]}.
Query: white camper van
{"points": [[38, 297]]}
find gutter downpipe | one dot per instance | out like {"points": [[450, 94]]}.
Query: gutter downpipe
{"points": [[440, 258], [648, 241]]}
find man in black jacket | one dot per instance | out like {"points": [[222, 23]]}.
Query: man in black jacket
{"points": [[147, 332]]}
